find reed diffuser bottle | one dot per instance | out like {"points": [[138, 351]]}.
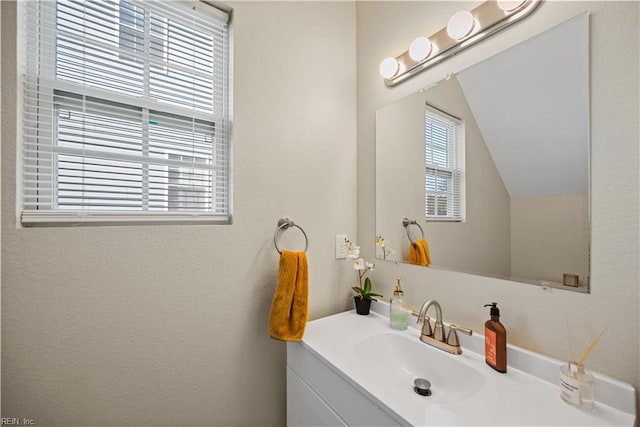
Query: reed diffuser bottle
{"points": [[576, 384]]}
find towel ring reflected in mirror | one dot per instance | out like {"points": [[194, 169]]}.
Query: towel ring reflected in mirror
{"points": [[406, 222], [283, 224]]}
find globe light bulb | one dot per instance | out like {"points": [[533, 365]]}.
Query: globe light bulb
{"points": [[509, 5], [389, 67], [460, 25], [420, 48]]}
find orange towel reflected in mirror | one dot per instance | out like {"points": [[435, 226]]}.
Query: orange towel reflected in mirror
{"points": [[289, 308], [419, 253]]}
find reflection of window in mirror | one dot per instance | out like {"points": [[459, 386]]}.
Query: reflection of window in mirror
{"points": [[444, 161]]}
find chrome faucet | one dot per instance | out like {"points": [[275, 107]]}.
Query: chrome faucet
{"points": [[435, 337]]}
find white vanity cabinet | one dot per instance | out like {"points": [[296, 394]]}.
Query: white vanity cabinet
{"points": [[305, 407], [318, 396]]}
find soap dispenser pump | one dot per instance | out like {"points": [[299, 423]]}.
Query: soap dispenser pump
{"points": [[398, 315], [495, 340]]}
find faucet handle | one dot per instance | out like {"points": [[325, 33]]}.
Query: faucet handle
{"points": [[426, 326], [465, 331], [452, 337]]}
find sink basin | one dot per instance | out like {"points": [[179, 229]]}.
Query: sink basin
{"points": [[398, 360]]}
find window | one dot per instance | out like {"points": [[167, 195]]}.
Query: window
{"points": [[126, 112], [444, 166]]}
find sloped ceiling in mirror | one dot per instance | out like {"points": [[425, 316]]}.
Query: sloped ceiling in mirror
{"points": [[557, 68]]}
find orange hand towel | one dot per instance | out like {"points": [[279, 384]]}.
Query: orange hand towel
{"points": [[419, 253], [289, 308]]}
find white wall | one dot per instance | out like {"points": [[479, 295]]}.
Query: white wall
{"points": [[534, 318], [166, 325]]}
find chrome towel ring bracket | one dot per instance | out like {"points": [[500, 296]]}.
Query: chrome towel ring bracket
{"points": [[283, 224], [406, 222]]}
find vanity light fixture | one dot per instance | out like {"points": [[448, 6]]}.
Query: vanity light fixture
{"points": [[464, 29]]}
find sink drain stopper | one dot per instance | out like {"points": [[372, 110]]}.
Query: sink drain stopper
{"points": [[422, 387]]}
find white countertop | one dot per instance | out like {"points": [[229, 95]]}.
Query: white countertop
{"points": [[527, 394]]}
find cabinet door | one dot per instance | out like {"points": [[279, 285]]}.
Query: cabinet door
{"points": [[305, 408]]}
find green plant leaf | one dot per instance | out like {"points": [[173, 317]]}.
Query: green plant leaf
{"points": [[375, 295], [357, 290], [367, 286]]}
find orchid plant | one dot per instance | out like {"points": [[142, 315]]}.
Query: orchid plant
{"points": [[383, 251], [362, 268]]}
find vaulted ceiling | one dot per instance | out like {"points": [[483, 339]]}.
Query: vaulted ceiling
{"points": [[531, 103]]}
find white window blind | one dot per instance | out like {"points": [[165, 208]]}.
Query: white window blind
{"points": [[444, 166], [126, 112]]}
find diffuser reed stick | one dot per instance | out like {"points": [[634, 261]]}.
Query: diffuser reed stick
{"points": [[591, 345], [566, 318]]}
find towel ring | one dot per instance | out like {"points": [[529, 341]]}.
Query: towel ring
{"points": [[283, 224], [406, 222]]}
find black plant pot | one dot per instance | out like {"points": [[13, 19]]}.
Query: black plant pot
{"points": [[362, 305]]}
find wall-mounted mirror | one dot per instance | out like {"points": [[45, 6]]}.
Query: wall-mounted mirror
{"points": [[513, 201]]}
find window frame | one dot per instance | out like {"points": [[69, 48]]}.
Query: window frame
{"points": [[453, 171], [54, 216]]}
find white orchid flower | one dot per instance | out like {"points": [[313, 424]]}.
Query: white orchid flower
{"points": [[369, 265], [354, 252], [358, 264]]}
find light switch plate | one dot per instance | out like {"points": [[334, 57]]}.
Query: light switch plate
{"points": [[341, 251]]}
